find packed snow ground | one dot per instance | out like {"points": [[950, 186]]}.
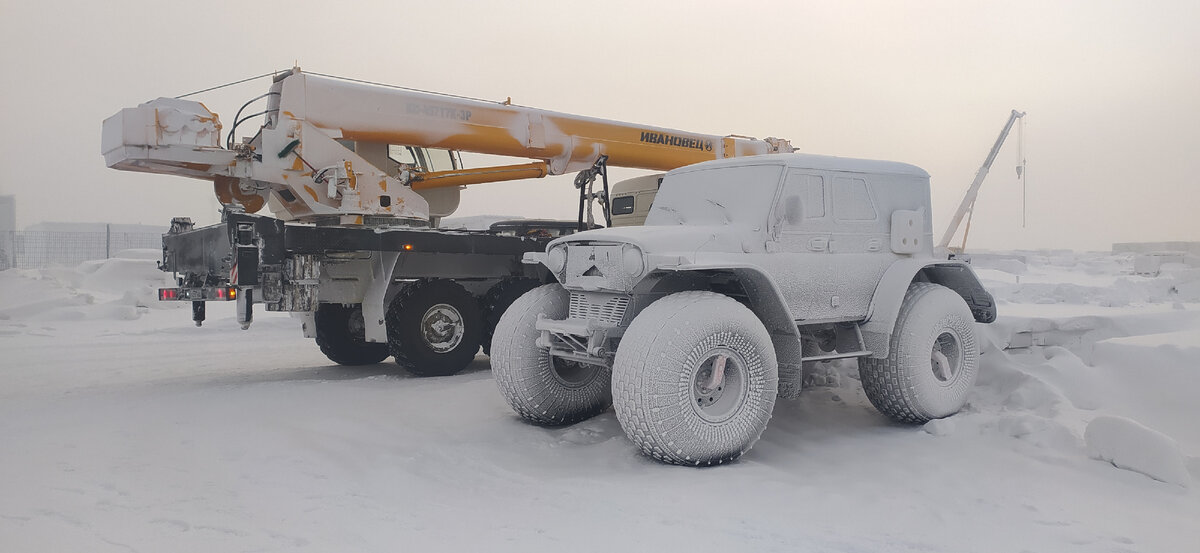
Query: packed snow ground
{"points": [[124, 428]]}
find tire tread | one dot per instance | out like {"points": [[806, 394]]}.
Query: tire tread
{"points": [[659, 436], [520, 369], [408, 355], [334, 340], [887, 384]]}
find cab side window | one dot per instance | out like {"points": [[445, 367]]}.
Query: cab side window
{"points": [[810, 191], [814, 197], [852, 200]]}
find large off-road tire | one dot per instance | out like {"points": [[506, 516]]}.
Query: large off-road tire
{"points": [[434, 327], [932, 361], [341, 335], [668, 392], [544, 390], [496, 301]]}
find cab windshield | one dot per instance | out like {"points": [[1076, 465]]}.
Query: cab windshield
{"points": [[717, 196]]}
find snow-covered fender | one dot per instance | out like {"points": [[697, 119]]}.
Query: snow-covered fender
{"points": [[890, 292], [766, 301]]}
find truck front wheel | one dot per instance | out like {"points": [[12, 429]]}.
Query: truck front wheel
{"points": [[433, 327], [341, 336], [932, 360], [695, 379], [543, 389]]}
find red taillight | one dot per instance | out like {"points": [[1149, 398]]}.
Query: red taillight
{"points": [[222, 293]]}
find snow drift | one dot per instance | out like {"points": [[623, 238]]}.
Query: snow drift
{"points": [[123, 288], [1129, 445], [129, 429]]}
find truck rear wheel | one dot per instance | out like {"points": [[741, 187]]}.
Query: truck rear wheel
{"points": [[341, 335], [543, 389], [932, 361], [496, 301], [695, 378], [434, 327]]}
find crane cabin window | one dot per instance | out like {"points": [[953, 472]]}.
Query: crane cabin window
{"points": [[402, 154], [439, 160], [852, 200], [426, 159]]}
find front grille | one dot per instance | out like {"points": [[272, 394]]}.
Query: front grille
{"points": [[606, 308]]}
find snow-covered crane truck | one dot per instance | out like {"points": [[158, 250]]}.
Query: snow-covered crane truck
{"points": [[357, 176]]}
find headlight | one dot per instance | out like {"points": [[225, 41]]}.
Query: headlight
{"points": [[557, 258], [632, 262]]}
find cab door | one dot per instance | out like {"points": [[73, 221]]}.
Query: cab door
{"points": [[803, 235], [829, 240], [860, 245]]}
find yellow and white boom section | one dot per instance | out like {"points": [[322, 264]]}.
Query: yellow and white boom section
{"points": [[322, 153]]}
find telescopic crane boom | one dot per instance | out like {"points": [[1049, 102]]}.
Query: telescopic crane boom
{"points": [[968, 202], [322, 154]]}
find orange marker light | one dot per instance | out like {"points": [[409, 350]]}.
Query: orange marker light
{"points": [[408, 247]]}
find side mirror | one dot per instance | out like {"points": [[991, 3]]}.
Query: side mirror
{"points": [[793, 210]]}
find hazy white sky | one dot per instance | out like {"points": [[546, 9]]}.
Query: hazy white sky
{"points": [[1112, 90]]}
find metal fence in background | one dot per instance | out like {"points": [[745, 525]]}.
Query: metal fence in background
{"points": [[30, 249]]}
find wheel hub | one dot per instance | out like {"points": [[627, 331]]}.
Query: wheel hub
{"points": [[719, 384], [357, 325], [710, 380], [946, 357], [442, 328]]}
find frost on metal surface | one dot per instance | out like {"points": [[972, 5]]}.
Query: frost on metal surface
{"points": [[820, 227], [323, 152], [566, 142], [168, 121], [717, 196], [164, 136], [814, 246]]}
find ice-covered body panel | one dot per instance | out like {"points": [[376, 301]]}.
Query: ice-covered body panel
{"points": [[805, 240]]}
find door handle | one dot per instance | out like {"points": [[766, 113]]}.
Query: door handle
{"points": [[818, 244]]}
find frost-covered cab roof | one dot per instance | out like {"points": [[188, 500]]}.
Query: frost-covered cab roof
{"points": [[813, 161]]}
